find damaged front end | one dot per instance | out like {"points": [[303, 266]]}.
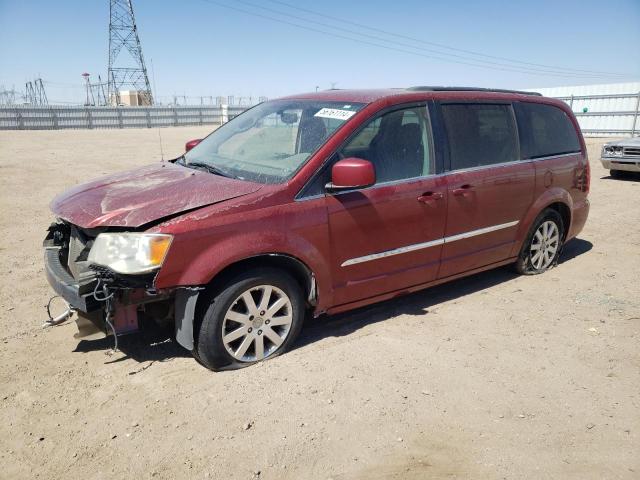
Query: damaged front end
{"points": [[105, 300]]}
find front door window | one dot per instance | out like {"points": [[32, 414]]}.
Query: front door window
{"points": [[397, 143]]}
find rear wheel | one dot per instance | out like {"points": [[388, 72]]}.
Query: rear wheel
{"points": [[542, 246], [256, 316]]}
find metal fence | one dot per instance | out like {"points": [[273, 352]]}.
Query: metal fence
{"points": [[598, 115], [27, 117], [606, 115]]}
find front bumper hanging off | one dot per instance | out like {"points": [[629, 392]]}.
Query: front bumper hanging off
{"points": [[80, 291], [80, 298], [129, 295]]}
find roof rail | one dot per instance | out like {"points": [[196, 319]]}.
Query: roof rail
{"points": [[469, 89]]}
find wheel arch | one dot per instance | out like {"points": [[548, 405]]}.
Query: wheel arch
{"points": [[555, 198], [565, 213], [295, 267], [192, 302]]}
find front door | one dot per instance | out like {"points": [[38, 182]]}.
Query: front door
{"points": [[389, 236], [489, 189]]}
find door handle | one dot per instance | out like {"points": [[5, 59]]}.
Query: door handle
{"points": [[430, 196], [503, 181], [462, 191]]}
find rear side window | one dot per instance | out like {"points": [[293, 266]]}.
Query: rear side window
{"points": [[480, 134], [545, 130]]}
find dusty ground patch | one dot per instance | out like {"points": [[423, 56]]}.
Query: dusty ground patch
{"points": [[494, 376]]}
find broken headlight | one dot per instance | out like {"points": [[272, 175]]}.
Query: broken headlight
{"points": [[130, 253]]}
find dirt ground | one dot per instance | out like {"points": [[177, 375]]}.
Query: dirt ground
{"points": [[493, 376]]}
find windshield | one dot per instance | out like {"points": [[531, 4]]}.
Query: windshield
{"points": [[269, 142]]}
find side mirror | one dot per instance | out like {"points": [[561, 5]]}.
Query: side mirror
{"points": [[191, 143], [351, 173]]}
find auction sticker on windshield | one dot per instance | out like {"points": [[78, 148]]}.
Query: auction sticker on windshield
{"points": [[334, 113]]}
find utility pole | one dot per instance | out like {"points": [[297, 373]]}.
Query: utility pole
{"points": [[129, 72]]}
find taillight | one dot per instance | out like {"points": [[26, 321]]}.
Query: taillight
{"points": [[586, 175], [582, 176]]}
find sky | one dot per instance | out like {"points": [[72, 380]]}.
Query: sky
{"points": [[268, 48]]}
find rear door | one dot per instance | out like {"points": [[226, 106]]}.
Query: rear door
{"points": [[489, 189]]}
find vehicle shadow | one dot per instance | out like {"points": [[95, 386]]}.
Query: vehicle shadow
{"points": [[154, 344], [419, 303], [623, 177], [573, 249], [150, 344]]}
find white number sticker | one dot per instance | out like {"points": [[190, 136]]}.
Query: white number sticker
{"points": [[334, 113]]}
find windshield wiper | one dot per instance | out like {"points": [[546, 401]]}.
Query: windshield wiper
{"points": [[209, 168]]}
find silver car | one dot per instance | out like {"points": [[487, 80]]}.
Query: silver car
{"points": [[622, 155]]}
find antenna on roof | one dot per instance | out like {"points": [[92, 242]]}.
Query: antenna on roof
{"points": [[160, 141]]}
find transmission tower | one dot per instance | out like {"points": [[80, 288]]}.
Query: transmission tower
{"points": [[40, 92], [99, 92], [8, 97], [34, 93], [89, 100], [129, 72], [29, 93]]}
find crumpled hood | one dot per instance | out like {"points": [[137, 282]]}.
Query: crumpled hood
{"points": [[136, 197]]}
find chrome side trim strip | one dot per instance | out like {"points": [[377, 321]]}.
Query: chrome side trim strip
{"points": [[432, 243], [395, 251], [480, 231]]}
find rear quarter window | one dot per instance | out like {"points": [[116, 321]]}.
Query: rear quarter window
{"points": [[545, 130]]}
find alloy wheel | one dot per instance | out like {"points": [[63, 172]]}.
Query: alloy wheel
{"points": [[544, 245], [257, 323]]}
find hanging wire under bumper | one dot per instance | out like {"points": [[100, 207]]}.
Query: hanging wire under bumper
{"points": [[61, 318]]}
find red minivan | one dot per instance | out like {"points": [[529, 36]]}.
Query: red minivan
{"points": [[320, 203]]}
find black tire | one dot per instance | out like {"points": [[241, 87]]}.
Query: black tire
{"points": [[209, 348], [616, 173], [524, 264]]}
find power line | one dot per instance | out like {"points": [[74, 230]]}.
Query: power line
{"points": [[443, 46], [64, 85], [388, 47], [553, 70]]}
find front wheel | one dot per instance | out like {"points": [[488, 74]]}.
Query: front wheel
{"points": [[542, 246], [256, 316]]}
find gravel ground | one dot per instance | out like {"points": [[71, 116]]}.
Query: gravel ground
{"points": [[493, 376]]}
